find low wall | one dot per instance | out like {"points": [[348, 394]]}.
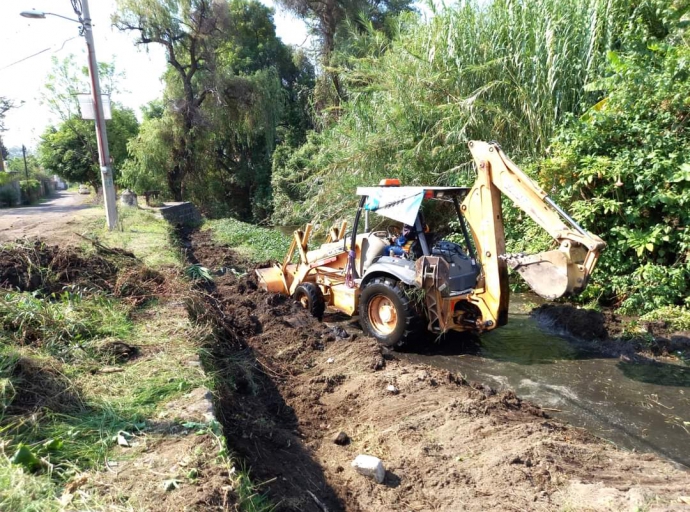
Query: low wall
{"points": [[180, 213]]}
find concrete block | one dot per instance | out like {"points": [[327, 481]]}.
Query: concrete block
{"points": [[370, 466]]}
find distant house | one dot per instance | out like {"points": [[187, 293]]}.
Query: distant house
{"points": [[59, 183]]}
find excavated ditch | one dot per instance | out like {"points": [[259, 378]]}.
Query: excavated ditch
{"points": [[288, 385]]}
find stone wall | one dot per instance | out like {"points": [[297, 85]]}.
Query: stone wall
{"points": [[180, 213]]}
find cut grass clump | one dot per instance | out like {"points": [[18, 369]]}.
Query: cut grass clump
{"points": [[28, 384], [63, 326], [256, 243]]}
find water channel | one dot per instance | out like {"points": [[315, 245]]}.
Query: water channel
{"points": [[643, 406]]}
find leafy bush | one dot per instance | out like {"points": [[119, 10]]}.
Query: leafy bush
{"points": [[623, 170], [501, 70], [8, 197], [677, 318], [31, 190]]}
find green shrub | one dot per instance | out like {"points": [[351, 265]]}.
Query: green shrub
{"points": [[31, 190], [623, 170], [8, 197]]}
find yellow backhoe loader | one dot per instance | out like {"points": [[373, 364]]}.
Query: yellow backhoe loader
{"points": [[444, 286]]}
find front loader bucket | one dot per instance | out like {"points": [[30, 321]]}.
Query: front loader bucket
{"points": [[271, 279], [551, 274]]}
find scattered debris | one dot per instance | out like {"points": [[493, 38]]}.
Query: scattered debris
{"points": [[330, 360], [392, 389], [341, 439], [171, 485], [370, 466]]}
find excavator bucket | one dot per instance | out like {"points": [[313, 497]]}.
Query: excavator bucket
{"points": [[553, 274], [272, 279], [546, 273]]}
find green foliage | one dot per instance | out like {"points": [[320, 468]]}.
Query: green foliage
{"points": [[245, 90], [70, 149], [621, 170], [677, 318], [506, 71], [8, 197], [17, 164], [259, 244], [31, 190], [64, 326], [198, 272]]}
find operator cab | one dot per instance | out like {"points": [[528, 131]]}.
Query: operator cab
{"points": [[390, 201]]}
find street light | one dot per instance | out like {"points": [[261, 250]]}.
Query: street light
{"points": [[81, 8]]}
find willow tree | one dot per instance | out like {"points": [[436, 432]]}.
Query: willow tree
{"points": [[187, 30], [244, 96]]}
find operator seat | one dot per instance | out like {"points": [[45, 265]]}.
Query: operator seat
{"points": [[372, 248]]}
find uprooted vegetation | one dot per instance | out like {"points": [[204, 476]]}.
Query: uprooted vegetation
{"points": [[288, 384]]}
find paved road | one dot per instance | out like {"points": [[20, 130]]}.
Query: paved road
{"points": [[49, 219]]}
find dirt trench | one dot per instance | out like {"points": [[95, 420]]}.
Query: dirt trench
{"points": [[289, 385]]}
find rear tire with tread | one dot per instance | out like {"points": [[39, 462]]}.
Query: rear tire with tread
{"points": [[399, 320], [310, 297]]}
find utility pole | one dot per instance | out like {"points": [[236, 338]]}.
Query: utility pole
{"points": [[26, 169], [104, 156]]}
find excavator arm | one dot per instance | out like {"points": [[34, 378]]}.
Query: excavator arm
{"points": [[551, 274]]}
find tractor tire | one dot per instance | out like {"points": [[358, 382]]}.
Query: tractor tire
{"points": [[310, 298], [386, 313]]}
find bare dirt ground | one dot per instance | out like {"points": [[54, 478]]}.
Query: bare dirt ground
{"points": [[51, 220], [291, 384]]}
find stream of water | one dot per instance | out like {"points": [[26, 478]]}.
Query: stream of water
{"points": [[636, 405]]}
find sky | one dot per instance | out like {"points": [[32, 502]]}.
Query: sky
{"points": [[22, 38]]}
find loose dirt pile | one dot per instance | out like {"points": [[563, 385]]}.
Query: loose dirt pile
{"points": [[31, 384], [290, 385], [34, 266], [609, 327]]}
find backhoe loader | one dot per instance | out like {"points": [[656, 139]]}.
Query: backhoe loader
{"points": [[441, 286]]}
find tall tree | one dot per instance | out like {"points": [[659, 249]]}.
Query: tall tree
{"points": [[70, 150], [328, 17], [5, 106], [251, 92], [186, 30]]}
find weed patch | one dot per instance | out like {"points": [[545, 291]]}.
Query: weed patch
{"points": [[255, 242]]}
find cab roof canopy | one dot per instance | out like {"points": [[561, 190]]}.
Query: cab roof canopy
{"points": [[403, 203]]}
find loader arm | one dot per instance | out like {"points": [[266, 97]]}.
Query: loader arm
{"points": [[551, 274]]}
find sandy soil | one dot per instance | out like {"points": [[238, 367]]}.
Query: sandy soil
{"points": [[51, 220], [291, 384]]}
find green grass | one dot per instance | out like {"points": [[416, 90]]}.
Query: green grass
{"points": [[20, 490], [257, 243], [50, 349], [139, 231], [64, 325], [677, 317]]}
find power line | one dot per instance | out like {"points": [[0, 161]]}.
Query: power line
{"points": [[39, 53]]}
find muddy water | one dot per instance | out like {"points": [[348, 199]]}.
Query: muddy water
{"points": [[635, 405]]}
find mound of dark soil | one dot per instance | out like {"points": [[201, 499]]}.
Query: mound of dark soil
{"points": [[35, 266], [36, 385], [581, 323], [38, 267]]}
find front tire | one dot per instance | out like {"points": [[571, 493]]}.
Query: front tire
{"points": [[310, 298], [385, 312]]}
